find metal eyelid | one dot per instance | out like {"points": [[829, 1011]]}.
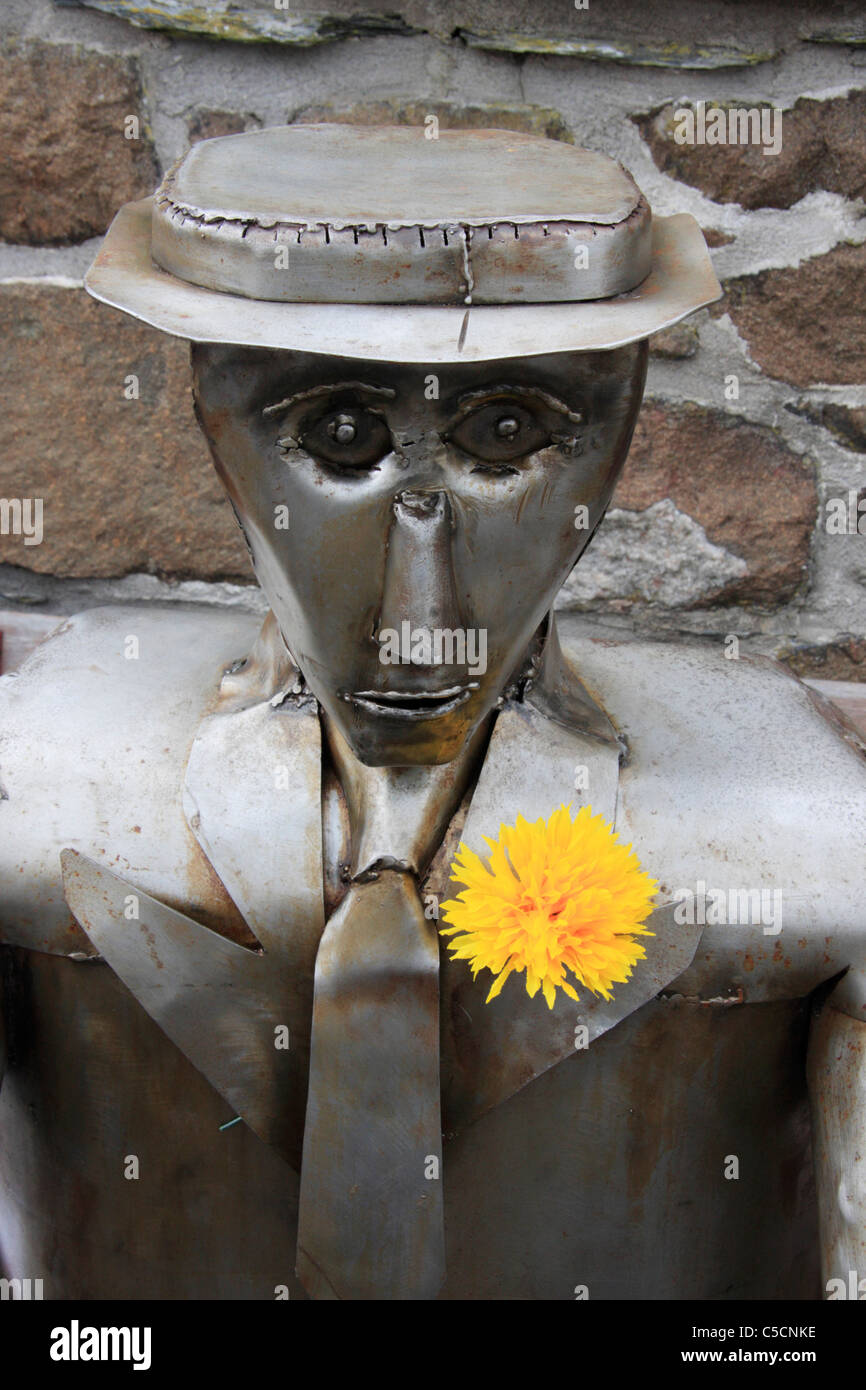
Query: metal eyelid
{"points": [[473, 398], [326, 388]]}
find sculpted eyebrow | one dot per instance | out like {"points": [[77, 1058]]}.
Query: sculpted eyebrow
{"points": [[328, 389], [533, 392]]}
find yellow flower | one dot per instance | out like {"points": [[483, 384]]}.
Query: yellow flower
{"points": [[558, 895]]}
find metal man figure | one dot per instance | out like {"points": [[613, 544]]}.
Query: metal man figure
{"points": [[417, 364]]}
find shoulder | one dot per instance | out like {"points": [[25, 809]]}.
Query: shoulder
{"points": [[95, 729], [740, 781], [742, 729], [121, 650]]}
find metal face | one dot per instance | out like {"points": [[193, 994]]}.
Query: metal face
{"points": [[411, 531]]}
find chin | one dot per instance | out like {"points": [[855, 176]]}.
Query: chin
{"points": [[383, 741]]}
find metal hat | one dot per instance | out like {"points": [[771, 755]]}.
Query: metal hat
{"points": [[380, 243]]}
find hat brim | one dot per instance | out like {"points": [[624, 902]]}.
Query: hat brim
{"points": [[680, 281]]}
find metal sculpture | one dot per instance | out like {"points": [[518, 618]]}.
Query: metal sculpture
{"points": [[418, 365]]}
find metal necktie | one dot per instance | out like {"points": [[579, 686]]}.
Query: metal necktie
{"points": [[370, 1223]]}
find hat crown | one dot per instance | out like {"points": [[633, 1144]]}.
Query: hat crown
{"points": [[381, 215], [343, 176]]}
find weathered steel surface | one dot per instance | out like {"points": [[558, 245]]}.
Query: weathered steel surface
{"points": [[721, 788], [93, 1082], [608, 1171], [252, 795], [392, 176], [681, 280], [222, 1004], [68, 768], [370, 1220], [761, 718], [343, 215], [837, 1089], [487, 1165]]}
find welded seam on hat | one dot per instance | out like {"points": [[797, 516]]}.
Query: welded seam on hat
{"points": [[186, 212]]}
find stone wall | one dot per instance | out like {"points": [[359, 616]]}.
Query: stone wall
{"points": [[738, 509]]}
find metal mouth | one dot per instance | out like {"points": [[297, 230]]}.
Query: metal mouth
{"points": [[412, 705]]}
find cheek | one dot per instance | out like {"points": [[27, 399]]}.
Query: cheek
{"points": [[315, 540], [516, 539], [275, 504], [245, 464]]}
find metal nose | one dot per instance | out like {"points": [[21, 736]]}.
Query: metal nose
{"points": [[419, 574], [420, 504]]}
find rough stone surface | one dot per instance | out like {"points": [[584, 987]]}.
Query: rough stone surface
{"points": [[843, 660], [805, 325], [823, 147], [209, 125], [722, 34], [846, 422], [714, 237], [850, 31], [751, 495], [533, 120], [633, 53], [67, 165], [127, 485], [676, 343], [250, 23], [657, 556]]}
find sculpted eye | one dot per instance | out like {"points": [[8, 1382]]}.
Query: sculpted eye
{"points": [[350, 437], [500, 431]]}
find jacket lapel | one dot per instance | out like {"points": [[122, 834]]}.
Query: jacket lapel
{"points": [[252, 797]]}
